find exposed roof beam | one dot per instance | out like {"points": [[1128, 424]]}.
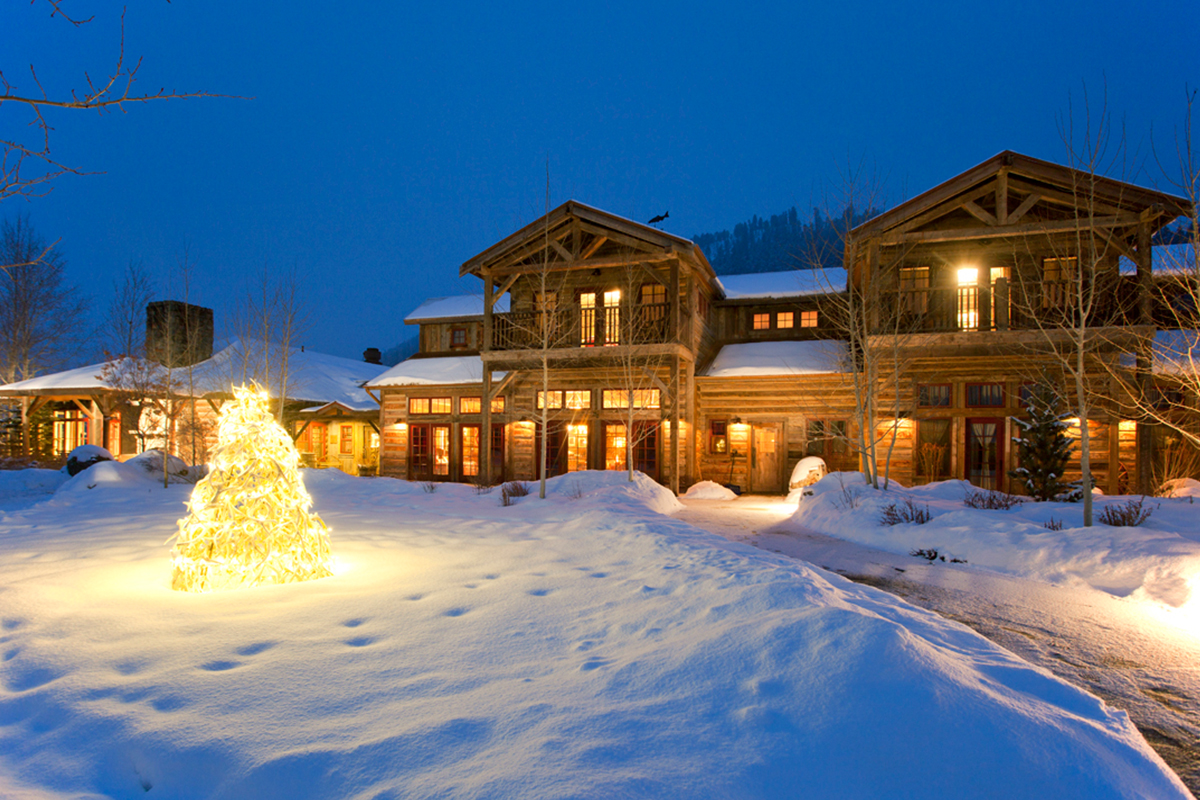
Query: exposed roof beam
{"points": [[1064, 226]]}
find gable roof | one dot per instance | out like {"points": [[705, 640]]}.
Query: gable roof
{"points": [[1036, 172], [602, 224], [445, 371]]}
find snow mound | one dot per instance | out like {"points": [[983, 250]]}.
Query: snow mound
{"points": [[177, 469], [807, 471], [708, 490], [1182, 487], [581, 646], [85, 456], [109, 475], [1157, 561]]}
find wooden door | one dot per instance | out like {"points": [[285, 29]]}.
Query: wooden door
{"points": [[765, 458]]}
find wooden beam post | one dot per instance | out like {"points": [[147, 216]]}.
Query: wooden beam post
{"points": [[485, 429], [488, 300], [689, 413], [674, 289], [1002, 197], [675, 405]]}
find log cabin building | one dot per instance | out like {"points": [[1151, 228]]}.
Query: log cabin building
{"points": [[632, 348]]}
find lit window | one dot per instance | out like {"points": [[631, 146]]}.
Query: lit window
{"points": [[579, 399], [470, 451], [577, 447], [642, 398], [470, 405], [587, 319], [612, 316], [614, 446], [762, 322], [498, 404], [654, 293], [549, 399], [440, 405], [718, 438], [418, 405], [808, 319], [347, 441], [785, 319], [441, 449]]}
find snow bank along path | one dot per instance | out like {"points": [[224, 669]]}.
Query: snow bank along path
{"points": [[583, 646]]}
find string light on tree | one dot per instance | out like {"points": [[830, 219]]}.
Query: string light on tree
{"points": [[249, 519]]}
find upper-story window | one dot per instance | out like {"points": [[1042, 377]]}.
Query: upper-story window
{"points": [[470, 405], [985, 395], [612, 316], [914, 290], [785, 320], [808, 319], [619, 398], [429, 405], [761, 322], [933, 395], [1057, 273], [458, 338]]}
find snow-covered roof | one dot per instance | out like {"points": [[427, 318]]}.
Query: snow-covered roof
{"points": [[811, 357], [1175, 352], [792, 283], [463, 305], [312, 377], [1165, 259], [433, 371]]}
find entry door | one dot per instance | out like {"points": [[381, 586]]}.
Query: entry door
{"points": [[764, 458], [985, 452]]}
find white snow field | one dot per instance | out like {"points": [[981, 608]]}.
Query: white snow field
{"points": [[1157, 561], [581, 646]]}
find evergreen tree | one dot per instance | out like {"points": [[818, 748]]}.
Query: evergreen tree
{"points": [[1044, 447]]}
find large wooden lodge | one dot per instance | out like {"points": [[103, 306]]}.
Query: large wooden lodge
{"points": [[583, 314], [615, 341]]}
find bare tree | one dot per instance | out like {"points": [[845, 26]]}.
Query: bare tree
{"points": [[41, 316], [643, 320], [855, 311], [27, 164], [125, 323]]}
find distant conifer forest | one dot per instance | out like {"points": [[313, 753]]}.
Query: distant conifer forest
{"points": [[780, 242]]}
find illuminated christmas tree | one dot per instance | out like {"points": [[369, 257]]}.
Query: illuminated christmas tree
{"points": [[249, 519]]}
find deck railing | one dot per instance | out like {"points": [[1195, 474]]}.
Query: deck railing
{"points": [[531, 330]]}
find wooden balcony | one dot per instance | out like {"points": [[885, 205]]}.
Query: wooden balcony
{"points": [[582, 327], [979, 308]]}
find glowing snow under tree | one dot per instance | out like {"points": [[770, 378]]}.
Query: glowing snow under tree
{"points": [[249, 521]]}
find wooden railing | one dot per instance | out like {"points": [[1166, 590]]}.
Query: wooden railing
{"points": [[532, 330], [981, 308]]}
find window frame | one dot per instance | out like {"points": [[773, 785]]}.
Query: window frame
{"points": [[922, 389], [715, 436], [810, 318], [1003, 400]]}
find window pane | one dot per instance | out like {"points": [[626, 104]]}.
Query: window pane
{"points": [[933, 395], [587, 318], [439, 405], [615, 398], [785, 319], [579, 399], [985, 395], [612, 316], [441, 450], [762, 322], [346, 445], [470, 405], [808, 319], [418, 405], [470, 451], [498, 404], [577, 447], [552, 399], [614, 446]]}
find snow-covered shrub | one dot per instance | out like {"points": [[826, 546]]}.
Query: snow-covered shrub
{"points": [[905, 511], [1125, 515], [990, 501], [85, 456], [1053, 524], [512, 489], [1043, 448], [429, 487]]}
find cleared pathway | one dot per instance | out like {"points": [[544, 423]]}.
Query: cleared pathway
{"points": [[1136, 657]]}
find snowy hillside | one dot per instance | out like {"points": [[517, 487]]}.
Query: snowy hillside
{"points": [[583, 646]]}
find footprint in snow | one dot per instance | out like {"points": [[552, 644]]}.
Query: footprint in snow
{"points": [[361, 641], [220, 666], [254, 649], [540, 592]]}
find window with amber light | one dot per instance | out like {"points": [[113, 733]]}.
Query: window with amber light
{"points": [[498, 404], [346, 445], [470, 405], [578, 399], [785, 319], [550, 399], [762, 322], [718, 437], [808, 319]]}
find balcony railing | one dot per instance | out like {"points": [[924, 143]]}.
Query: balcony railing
{"points": [[981, 308], [575, 327]]}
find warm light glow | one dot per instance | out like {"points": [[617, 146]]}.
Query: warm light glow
{"points": [[968, 276], [1127, 426], [739, 426], [249, 521]]}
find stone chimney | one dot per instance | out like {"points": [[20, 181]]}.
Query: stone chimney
{"points": [[178, 334], [372, 355]]}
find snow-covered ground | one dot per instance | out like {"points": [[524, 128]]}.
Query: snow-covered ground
{"points": [[582, 646], [1157, 561]]}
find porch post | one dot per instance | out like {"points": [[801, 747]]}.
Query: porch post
{"points": [[485, 432]]}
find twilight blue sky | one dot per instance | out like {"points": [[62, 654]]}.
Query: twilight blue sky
{"points": [[387, 143]]}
